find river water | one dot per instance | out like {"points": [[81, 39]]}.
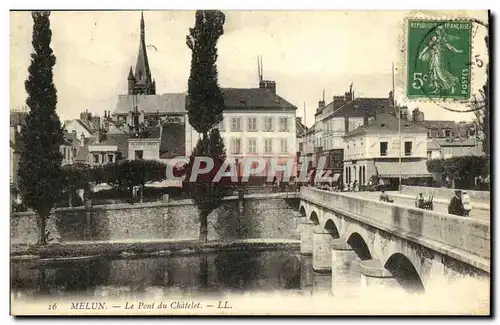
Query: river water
{"points": [[211, 273], [217, 275]]}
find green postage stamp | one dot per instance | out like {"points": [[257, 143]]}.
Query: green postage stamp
{"points": [[439, 59]]}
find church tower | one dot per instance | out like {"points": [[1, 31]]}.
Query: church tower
{"points": [[141, 82]]}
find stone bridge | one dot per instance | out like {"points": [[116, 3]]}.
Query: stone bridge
{"points": [[390, 244]]}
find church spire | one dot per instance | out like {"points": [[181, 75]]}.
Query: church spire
{"points": [[142, 26], [143, 80]]}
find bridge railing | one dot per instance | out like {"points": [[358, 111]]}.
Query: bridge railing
{"points": [[457, 233]]}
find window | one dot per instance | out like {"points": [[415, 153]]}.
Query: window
{"points": [[284, 145], [268, 146], [252, 146], [408, 145], [447, 133], [236, 124], [252, 124], [236, 146], [268, 124], [284, 124], [138, 154], [383, 148], [96, 159], [110, 158], [301, 147]]}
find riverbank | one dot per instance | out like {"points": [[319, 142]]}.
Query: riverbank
{"points": [[141, 248]]}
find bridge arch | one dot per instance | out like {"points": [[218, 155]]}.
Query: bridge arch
{"points": [[302, 211], [358, 244], [332, 228], [405, 273], [314, 218]]}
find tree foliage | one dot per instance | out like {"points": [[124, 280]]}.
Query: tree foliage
{"points": [[77, 176], [206, 192], [130, 173], [204, 102], [205, 105], [40, 175], [464, 168]]}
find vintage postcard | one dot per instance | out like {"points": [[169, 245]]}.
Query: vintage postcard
{"points": [[219, 162]]}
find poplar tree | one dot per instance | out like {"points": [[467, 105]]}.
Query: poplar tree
{"points": [[41, 179], [205, 105]]}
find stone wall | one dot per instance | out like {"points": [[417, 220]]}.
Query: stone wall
{"points": [[261, 217], [445, 193]]}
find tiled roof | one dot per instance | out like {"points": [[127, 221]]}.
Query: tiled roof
{"points": [[255, 98], [173, 142], [436, 128], [84, 125], [431, 145], [301, 128], [311, 129], [175, 103], [360, 106], [457, 142], [165, 103], [385, 122]]}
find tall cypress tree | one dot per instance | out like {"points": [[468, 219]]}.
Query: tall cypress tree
{"points": [[40, 174], [205, 105], [205, 102]]}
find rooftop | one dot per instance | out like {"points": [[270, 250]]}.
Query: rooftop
{"points": [[387, 123]]}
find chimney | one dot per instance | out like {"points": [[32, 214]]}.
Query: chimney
{"points": [[268, 84], [82, 140], [348, 96], [321, 105], [338, 101]]}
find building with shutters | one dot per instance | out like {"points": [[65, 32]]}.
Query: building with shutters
{"points": [[375, 148], [258, 123]]}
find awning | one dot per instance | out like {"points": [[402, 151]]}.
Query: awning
{"points": [[409, 169]]}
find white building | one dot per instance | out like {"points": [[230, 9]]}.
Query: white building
{"points": [[375, 148], [258, 123]]}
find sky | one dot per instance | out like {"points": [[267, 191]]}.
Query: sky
{"points": [[305, 52]]}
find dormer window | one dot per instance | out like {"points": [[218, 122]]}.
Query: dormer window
{"points": [[382, 125], [243, 100]]}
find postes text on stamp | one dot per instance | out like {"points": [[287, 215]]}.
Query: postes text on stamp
{"points": [[439, 59]]}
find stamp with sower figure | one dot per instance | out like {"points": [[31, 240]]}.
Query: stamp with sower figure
{"points": [[439, 59]]}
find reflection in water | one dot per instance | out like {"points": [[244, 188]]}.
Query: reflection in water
{"points": [[214, 273]]}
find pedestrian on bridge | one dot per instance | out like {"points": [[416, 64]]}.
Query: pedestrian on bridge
{"points": [[456, 206], [466, 203]]}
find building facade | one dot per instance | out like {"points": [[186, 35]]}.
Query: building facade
{"points": [[447, 139], [374, 150], [258, 123]]}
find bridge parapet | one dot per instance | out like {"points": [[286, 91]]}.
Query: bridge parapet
{"points": [[465, 239], [482, 197]]}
